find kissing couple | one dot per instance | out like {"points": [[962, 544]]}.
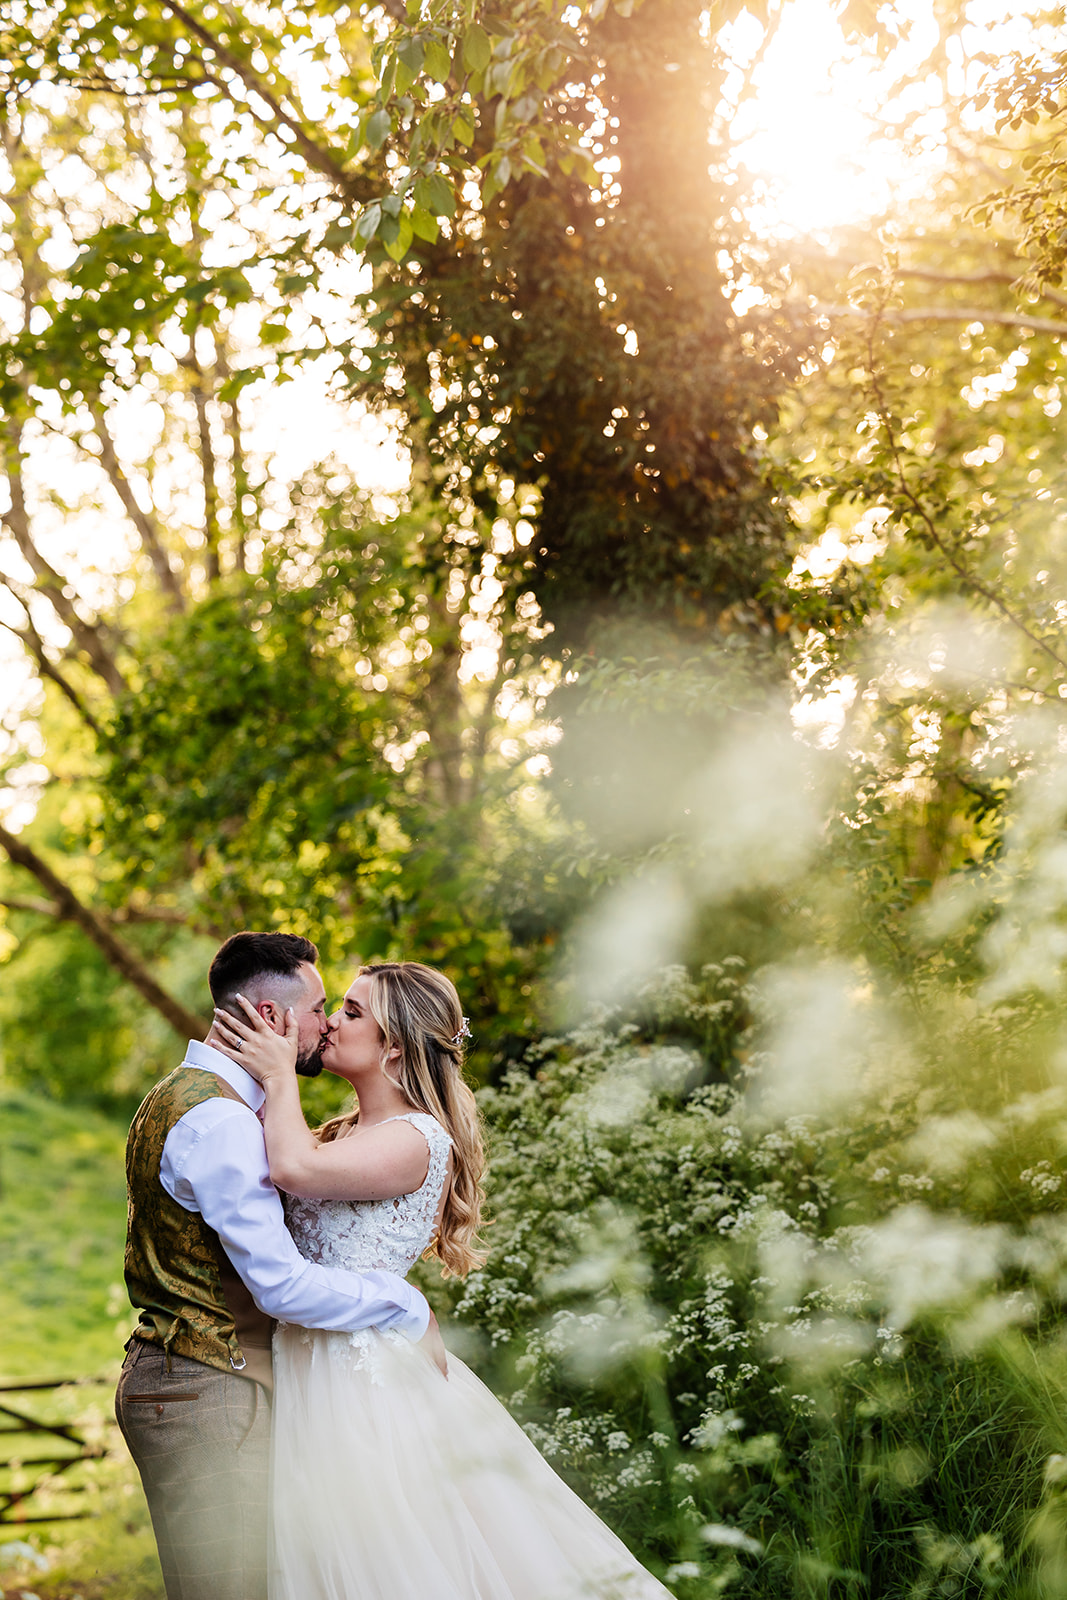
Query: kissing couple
{"points": [[299, 1430]]}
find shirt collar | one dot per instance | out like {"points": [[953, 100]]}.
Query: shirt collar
{"points": [[208, 1059]]}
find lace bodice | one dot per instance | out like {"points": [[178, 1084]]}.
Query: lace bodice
{"points": [[363, 1234]]}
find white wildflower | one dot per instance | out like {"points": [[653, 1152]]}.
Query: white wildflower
{"points": [[732, 1538]]}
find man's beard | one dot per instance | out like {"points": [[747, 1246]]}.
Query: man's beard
{"points": [[309, 1062]]}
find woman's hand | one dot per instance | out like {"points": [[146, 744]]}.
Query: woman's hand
{"points": [[254, 1045]]}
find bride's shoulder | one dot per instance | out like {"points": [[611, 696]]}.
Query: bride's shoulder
{"points": [[428, 1125]]}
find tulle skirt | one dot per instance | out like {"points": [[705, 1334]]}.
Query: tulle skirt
{"points": [[389, 1483]]}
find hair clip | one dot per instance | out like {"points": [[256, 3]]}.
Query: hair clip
{"points": [[464, 1032]]}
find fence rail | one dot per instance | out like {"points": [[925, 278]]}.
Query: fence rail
{"points": [[23, 1475]]}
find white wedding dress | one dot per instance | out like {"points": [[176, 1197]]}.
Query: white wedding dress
{"points": [[391, 1483]]}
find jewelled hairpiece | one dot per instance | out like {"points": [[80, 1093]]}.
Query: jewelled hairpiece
{"points": [[464, 1032]]}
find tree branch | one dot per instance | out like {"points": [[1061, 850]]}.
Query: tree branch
{"points": [[200, 393], [35, 645], [124, 916], [41, 908], [1000, 319], [238, 467], [146, 525], [975, 277], [32, 286], [315, 156], [32, 280], [121, 956], [47, 581]]}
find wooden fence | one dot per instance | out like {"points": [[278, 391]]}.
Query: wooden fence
{"points": [[25, 1470]]}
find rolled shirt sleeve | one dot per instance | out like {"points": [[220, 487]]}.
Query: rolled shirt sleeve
{"points": [[214, 1162]]}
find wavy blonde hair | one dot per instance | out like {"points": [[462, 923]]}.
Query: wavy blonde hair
{"points": [[418, 1012]]}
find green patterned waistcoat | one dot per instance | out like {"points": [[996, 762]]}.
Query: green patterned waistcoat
{"points": [[190, 1299]]}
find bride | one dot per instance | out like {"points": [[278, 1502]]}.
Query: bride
{"points": [[389, 1481]]}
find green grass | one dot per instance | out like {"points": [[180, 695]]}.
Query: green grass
{"points": [[63, 1309], [64, 1314]]}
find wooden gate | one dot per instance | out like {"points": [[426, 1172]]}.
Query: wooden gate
{"points": [[26, 1466]]}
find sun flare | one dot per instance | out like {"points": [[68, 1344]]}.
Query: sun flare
{"points": [[823, 135]]}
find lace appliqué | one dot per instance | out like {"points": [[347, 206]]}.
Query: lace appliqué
{"points": [[361, 1351], [370, 1234], [362, 1235]]}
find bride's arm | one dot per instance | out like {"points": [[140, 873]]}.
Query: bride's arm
{"points": [[371, 1164]]}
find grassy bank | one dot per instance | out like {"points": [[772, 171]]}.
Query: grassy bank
{"points": [[64, 1314], [62, 1220]]}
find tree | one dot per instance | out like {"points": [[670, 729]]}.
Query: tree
{"points": [[140, 318], [509, 513]]}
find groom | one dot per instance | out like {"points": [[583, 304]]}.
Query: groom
{"points": [[209, 1266]]}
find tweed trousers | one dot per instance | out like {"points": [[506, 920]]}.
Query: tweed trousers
{"points": [[201, 1441]]}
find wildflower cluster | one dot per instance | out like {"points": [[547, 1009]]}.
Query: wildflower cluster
{"points": [[742, 1337]]}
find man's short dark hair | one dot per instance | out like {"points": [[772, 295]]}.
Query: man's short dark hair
{"points": [[246, 956]]}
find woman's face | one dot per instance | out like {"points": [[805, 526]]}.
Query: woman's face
{"points": [[354, 1046]]}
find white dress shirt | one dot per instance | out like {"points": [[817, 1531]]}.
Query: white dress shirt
{"points": [[215, 1162]]}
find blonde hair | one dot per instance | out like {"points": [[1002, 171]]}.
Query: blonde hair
{"points": [[418, 1012]]}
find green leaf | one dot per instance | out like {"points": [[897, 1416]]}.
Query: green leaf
{"points": [[434, 194], [477, 50], [463, 127], [369, 218], [424, 225], [498, 78], [412, 52], [548, 66], [533, 153], [399, 246], [379, 127], [438, 61]]}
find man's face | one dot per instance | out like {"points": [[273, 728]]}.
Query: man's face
{"points": [[311, 1024]]}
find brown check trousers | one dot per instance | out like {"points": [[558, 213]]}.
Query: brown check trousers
{"points": [[201, 1441]]}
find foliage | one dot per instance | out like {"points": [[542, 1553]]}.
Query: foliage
{"points": [[772, 1349], [325, 801], [581, 346], [777, 1266], [255, 637], [369, 595], [450, 93], [1028, 92]]}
